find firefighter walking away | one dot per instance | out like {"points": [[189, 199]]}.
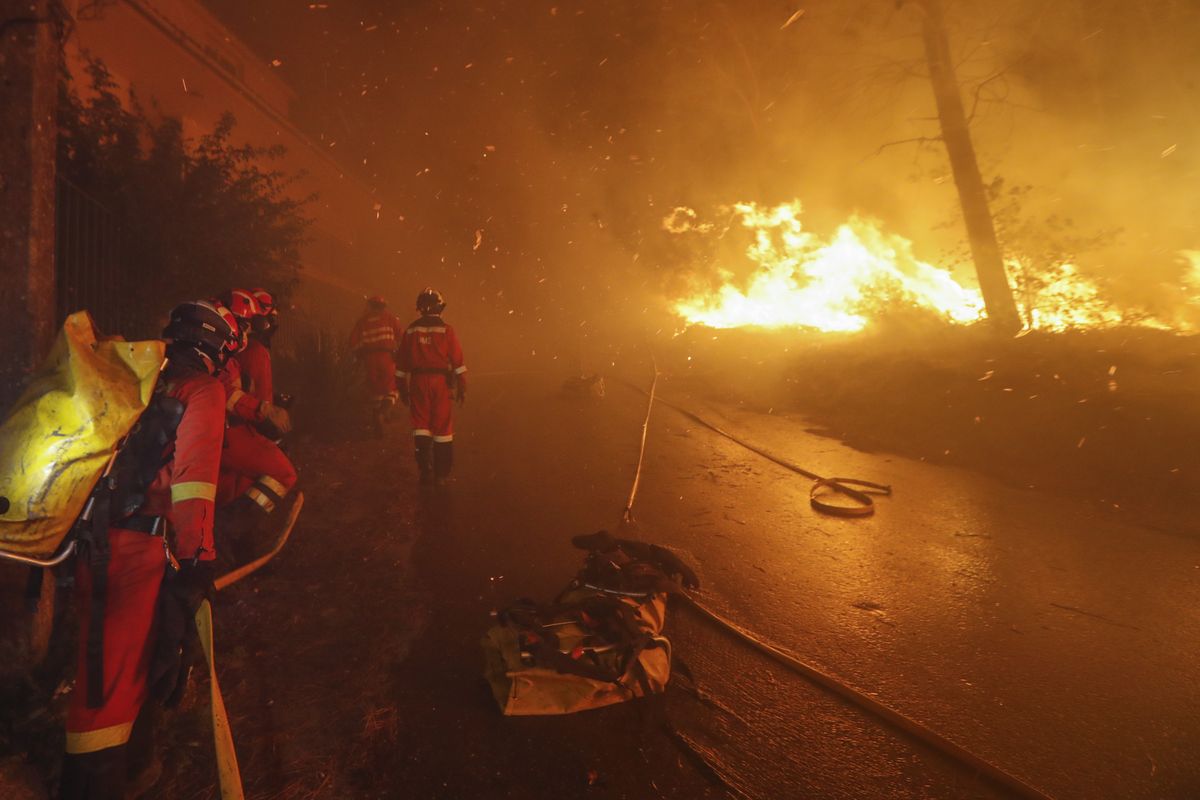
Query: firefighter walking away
{"points": [[430, 373], [373, 341]]}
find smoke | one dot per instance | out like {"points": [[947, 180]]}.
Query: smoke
{"points": [[565, 132]]}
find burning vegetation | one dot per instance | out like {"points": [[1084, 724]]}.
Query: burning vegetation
{"points": [[860, 273]]}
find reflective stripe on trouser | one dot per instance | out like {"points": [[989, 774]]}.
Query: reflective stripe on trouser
{"points": [[251, 461], [267, 492], [135, 574], [431, 407], [381, 372]]}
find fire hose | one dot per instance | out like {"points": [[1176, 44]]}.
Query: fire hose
{"points": [[821, 487], [235, 575], [228, 774], [899, 721]]}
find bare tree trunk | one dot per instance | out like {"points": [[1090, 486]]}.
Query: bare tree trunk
{"points": [[985, 250]]}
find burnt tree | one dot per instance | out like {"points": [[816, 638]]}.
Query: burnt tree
{"points": [[972, 195]]}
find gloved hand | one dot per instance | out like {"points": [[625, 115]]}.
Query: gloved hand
{"points": [[276, 417], [460, 390], [178, 645], [403, 389]]}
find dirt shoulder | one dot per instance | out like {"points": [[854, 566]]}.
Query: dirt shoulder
{"points": [[306, 645]]}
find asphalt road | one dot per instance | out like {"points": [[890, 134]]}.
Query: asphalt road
{"points": [[1058, 642], [1055, 639]]}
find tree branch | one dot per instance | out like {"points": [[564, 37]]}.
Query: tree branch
{"points": [[979, 92], [916, 139]]}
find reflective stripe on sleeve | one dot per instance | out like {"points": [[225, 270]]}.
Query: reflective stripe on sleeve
{"points": [[102, 739], [401, 373], [193, 490], [378, 335], [460, 370]]}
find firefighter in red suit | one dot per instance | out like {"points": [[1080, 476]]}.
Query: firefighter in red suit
{"points": [[137, 623], [255, 360], [256, 477], [429, 373], [373, 341]]}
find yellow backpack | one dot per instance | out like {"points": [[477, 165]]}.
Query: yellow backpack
{"points": [[63, 434]]}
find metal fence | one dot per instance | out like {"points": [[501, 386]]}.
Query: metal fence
{"points": [[88, 259]]}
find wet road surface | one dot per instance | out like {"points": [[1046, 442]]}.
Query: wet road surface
{"points": [[1055, 640]]}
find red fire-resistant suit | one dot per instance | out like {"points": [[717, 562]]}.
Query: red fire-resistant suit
{"points": [[374, 340], [430, 362], [255, 365], [183, 492], [251, 464]]}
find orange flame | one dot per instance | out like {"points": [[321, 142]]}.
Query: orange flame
{"points": [[837, 284], [861, 273]]}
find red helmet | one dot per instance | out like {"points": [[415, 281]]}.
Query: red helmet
{"points": [[232, 320], [242, 303], [268, 315], [266, 303], [245, 308], [376, 300]]}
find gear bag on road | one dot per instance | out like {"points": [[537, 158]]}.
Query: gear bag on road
{"points": [[599, 643]]}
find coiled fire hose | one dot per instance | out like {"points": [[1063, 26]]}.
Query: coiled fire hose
{"points": [[816, 676]]}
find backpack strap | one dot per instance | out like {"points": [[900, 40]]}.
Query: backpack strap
{"points": [[118, 494], [99, 554]]}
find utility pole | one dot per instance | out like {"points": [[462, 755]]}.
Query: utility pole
{"points": [[981, 232], [30, 53]]}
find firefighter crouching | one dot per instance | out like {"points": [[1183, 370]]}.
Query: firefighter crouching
{"points": [[257, 478], [430, 370], [374, 341], [137, 610], [254, 360]]}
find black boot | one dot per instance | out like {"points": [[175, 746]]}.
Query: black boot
{"points": [[443, 460], [236, 530], [94, 776], [423, 448], [143, 765]]}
